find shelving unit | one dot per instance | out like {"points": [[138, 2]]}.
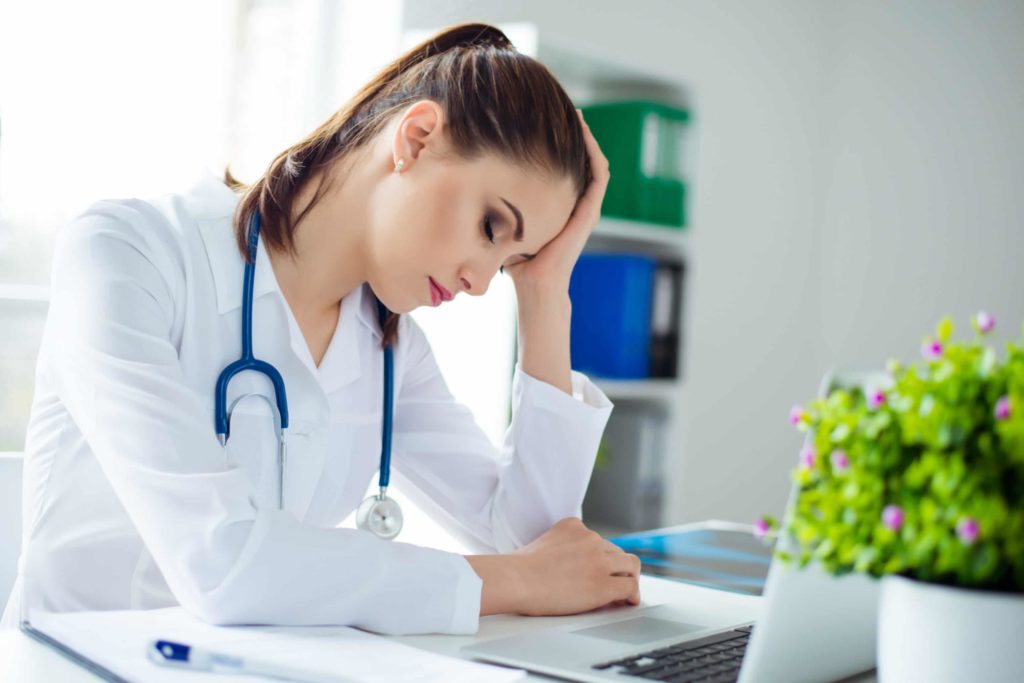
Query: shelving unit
{"points": [[590, 77], [619, 234], [667, 395], [642, 389]]}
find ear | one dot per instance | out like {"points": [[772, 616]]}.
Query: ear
{"points": [[419, 127]]}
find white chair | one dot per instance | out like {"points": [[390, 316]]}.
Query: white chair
{"points": [[10, 522]]}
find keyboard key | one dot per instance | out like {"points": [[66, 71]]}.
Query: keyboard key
{"points": [[640, 671], [722, 678]]}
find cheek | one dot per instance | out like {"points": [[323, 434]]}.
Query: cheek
{"points": [[443, 233]]}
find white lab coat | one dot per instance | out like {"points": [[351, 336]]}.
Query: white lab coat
{"points": [[130, 502]]}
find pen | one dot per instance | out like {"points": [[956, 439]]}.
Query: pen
{"points": [[169, 653]]}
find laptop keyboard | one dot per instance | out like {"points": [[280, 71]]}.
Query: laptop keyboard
{"points": [[713, 659]]}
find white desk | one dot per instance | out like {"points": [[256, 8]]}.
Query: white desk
{"points": [[24, 660]]}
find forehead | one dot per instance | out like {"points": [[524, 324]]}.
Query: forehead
{"points": [[544, 200]]}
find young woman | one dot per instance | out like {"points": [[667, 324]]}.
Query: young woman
{"points": [[461, 158]]}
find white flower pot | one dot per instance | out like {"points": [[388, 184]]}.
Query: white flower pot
{"points": [[928, 632]]}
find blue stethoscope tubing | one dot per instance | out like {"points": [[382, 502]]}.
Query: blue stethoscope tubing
{"points": [[379, 513]]}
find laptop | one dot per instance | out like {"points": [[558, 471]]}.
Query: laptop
{"points": [[811, 627]]}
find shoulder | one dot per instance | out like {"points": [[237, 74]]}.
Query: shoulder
{"points": [[160, 231]]}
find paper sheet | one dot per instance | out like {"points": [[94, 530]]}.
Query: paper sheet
{"points": [[118, 640]]}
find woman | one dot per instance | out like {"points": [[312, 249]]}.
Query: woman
{"points": [[461, 158]]}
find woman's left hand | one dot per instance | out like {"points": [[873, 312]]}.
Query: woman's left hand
{"points": [[549, 271]]}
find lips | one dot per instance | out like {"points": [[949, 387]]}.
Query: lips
{"points": [[438, 293]]}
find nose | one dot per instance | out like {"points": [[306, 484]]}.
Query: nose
{"points": [[475, 281], [478, 289]]}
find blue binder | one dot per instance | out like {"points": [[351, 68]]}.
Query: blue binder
{"points": [[611, 315]]}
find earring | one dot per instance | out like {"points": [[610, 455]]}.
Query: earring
{"points": [[399, 165]]}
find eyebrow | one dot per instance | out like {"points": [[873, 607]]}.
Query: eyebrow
{"points": [[518, 234]]}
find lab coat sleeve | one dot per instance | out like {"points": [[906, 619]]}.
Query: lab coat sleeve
{"points": [[491, 498], [114, 288]]}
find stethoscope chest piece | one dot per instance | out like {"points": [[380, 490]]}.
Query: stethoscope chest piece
{"points": [[380, 515]]}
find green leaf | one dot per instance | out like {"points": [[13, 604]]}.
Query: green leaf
{"points": [[944, 330]]}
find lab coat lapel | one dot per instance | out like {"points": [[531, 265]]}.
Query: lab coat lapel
{"points": [[342, 364], [213, 204]]}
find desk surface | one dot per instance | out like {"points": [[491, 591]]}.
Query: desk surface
{"points": [[24, 660]]}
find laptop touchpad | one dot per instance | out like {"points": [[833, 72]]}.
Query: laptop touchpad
{"points": [[640, 630]]}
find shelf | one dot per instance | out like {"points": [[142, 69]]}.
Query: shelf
{"points": [[640, 389], [617, 234]]}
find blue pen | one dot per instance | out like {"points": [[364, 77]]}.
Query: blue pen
{"points": [[169, 653]]}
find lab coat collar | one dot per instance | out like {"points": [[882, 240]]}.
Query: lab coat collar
{"points": [[213, 205]]}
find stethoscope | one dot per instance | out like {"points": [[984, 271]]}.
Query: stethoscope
{"points": [[378, 514]]}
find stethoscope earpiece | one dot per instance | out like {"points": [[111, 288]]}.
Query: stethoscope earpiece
{"points": [[378, 514]]}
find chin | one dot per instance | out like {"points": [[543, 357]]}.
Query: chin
{"points": [[393, 300]]}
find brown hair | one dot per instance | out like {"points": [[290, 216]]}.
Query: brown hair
{"points": [[495, 99]]}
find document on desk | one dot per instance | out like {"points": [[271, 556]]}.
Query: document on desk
{"points": [[117, 640]]}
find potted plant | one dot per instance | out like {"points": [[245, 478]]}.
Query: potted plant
{"points": [[920, 482]]}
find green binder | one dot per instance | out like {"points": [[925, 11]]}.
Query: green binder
{"points": [[643, 141]]}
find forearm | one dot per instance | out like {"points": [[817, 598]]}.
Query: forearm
{"points": [[544, 337]]}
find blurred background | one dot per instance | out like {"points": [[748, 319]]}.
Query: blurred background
{"points": [[796, 186]]}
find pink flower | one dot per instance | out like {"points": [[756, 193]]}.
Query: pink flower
{"points": [[840, 461], [931, 350], [762, 527], [1003, 408], [892, 517], [985, 322], [876, 397], [967, 529], [796, 414], [807, 458]]}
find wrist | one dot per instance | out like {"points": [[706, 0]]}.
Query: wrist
{"points": [[532, 291], [544, 310], [504, 583]]}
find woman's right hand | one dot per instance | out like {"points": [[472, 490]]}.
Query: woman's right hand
{"points": [[567, 570]]}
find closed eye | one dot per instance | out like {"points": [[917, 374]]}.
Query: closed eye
{"points": [[488, 230]]}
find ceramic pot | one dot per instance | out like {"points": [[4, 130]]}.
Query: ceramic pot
{"points": [[942, 634]]}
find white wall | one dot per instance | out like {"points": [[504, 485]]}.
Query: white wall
{"points": [[924, 208], [854, 181]]}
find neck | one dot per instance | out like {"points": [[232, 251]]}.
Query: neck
{"points": [[329, 262]]}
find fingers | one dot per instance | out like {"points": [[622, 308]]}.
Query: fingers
{"points": [[612, 548], [598, 162], [588, 207], [622, 588], [623, 564]]}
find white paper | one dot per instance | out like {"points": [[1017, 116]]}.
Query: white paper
{"points": [[117, 640]]}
